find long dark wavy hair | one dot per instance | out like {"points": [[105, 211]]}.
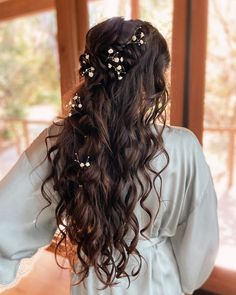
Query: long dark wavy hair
{"points": [[114, 128]]}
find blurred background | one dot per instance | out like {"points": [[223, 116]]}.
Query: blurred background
{"points": [[40, 42]]}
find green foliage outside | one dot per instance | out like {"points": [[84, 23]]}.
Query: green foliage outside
{"points": [[29, 72]]}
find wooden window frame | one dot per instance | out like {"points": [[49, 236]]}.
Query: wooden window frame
{"points": [[189, 39]]}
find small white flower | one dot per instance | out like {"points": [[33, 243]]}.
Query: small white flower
{"points": [[116, 59], [92, 68], [90, 74], [73, 105], [81, 165], [134, 38], [142, 34], [119, 67], [87, 56], [109, 66], [87, 164], [141, 41], [80, 105], [75, 97], [121, 59], [110, 50], [70, 114], [120, 77]]}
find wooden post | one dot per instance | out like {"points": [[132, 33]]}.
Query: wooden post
{"points": [[188, 64], [134, 9], [72, 22], [197, 62]]}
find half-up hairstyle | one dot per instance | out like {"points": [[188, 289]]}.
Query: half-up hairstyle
{"points": [[115, 135]]}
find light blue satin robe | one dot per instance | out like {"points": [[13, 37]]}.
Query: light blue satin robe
{"points": [[184, 238]]}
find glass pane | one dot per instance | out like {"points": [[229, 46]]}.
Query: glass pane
{"points": [[100, 10], [160, 14], [220, 120], [29, 82]]}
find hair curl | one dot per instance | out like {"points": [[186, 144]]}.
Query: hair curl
{"points": [[94, 211]]}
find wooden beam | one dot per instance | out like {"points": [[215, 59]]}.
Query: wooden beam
{"points": [[17, 8], [72, 22], [188, 64]]}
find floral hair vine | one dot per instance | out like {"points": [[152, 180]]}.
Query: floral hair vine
{"points": [[115, 60]]}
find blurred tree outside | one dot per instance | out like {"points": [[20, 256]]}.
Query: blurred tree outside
{"points": [[29, 82], [29, 67], [220, 100]]}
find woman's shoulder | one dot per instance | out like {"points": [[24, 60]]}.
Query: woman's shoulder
{"points": [[37, 151], [185, 152], [179, 139], [179, 134]]}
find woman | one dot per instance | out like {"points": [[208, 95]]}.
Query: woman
{"points": [[133, 197]]}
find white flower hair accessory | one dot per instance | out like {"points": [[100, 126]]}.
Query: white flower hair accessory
{"points": [[115, 59], [82, 164], [138, 37], [86, 69], [74, 104], [115, 62]]}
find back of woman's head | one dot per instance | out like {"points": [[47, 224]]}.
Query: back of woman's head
{"points": [[101, 158]]}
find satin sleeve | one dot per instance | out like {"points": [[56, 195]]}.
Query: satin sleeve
{"points": [[196, 241], [24, 226]]}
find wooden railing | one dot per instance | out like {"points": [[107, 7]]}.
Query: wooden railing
{"points": [[24, 129]]}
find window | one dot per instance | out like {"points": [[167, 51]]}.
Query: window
{"points": [[219, 140], [29, 82]]}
